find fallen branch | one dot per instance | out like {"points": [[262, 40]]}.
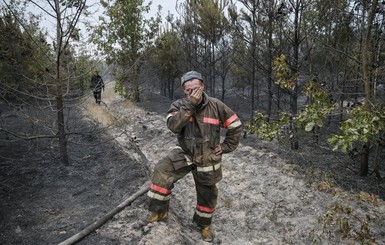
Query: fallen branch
{"points": [[77, 237]]}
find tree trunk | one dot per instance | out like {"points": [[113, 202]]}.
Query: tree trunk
{"points": [[172, 87], [213, 66], [270, 62], [253, 56], [252, 95], [59, 91], [377, 160], [367, 77], [366, 56], [295, 68], [61, 130], [365, 160], [135, 82], [223, 88]]}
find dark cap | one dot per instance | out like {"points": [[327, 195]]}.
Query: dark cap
{"points": [[189, 76]]}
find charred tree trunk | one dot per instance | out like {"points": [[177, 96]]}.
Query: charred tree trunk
{"points": [[295, 68], [367, 69], [365, 160], [135, 82], [377, 159], [59, 90]]}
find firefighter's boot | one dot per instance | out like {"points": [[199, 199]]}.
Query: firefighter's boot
{"points": [[158, 216], [206, 234]]}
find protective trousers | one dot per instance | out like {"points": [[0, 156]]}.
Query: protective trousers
{"points": [[164, 177], [98, 96]]}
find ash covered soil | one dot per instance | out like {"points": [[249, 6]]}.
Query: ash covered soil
{"points": [[268, 195]]}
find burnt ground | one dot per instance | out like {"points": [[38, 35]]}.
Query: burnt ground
{"points": [[45, 202], [41, 200]]}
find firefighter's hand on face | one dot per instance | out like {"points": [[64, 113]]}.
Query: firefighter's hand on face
{"points": [[217, 150], [195, 95]]}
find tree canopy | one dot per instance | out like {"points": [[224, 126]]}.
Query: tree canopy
{"points": [[279, 56]]}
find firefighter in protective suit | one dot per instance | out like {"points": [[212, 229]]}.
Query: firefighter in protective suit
{"points": [[197, 120], [96, 86]]}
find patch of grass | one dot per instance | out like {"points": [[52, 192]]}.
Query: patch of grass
{"points": [[343, 223]]}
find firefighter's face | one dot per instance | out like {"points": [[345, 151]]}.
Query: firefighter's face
{"points": [[190, 86]]}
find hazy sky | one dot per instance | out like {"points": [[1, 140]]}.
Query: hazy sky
{"points": [[48, 22]]}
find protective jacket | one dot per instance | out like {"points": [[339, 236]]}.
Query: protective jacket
{"points": [[97, 83], [198, 129]]}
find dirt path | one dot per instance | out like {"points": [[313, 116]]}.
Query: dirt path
{"points": [[263, 199]]}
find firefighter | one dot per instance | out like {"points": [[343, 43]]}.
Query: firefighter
{"points": [[197, 120], [97, 85]]}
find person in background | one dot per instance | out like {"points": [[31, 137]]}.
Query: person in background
{"points": [[97, 85], [197, 120]]}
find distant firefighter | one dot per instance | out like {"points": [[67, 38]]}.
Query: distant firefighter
{"points": [[97, 85]]}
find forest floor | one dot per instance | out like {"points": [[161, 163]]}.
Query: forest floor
{"points": [[268, 195]]}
